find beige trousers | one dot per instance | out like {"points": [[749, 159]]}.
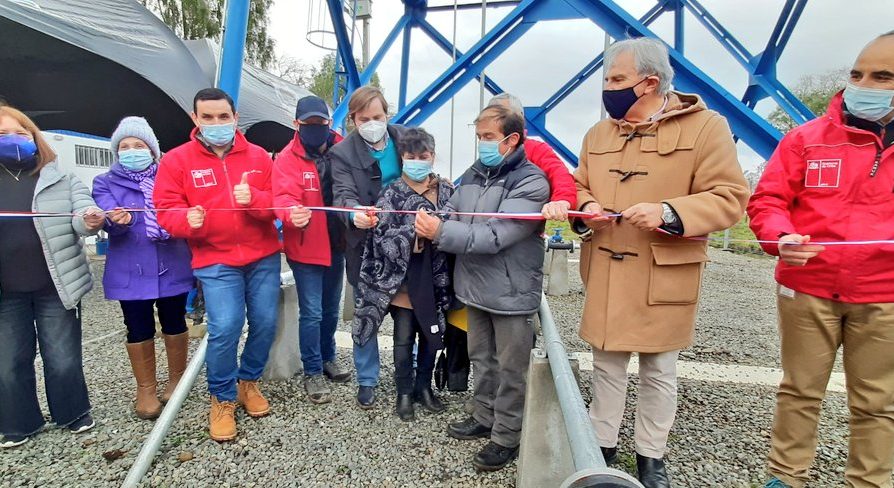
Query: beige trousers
{"points": [[657, 399], [812, 329]]}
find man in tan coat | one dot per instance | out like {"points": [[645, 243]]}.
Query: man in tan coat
{"points": [[668, 165]]}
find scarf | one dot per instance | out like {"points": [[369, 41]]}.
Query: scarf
{"points": [[146, 180], [389, 261]]}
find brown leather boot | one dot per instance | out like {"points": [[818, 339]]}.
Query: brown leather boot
{"points": [[142, 360], [249, 396], [176, 347], [222, 420]]}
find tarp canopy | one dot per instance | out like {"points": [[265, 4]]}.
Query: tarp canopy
{"points": [[83, 65]]}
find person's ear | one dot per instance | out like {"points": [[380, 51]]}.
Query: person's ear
{"points": [[651, 85], [195, 118], [296, 125]]}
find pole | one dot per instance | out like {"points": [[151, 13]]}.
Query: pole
{"points": [[168, 415], [587, 457], [608, 42], [483, 32], [235, 29]]}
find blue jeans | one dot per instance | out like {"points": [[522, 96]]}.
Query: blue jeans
{"points": [[230, 292], [26, 320], [319, 292], [366, 362]]}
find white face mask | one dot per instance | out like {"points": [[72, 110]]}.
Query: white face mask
{"points": [[373, 131]]}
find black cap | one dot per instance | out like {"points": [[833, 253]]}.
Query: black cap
{"points": [[311, 106]]}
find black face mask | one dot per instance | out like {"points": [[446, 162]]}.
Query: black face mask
{"points": [[618, 102], [313, 136]]}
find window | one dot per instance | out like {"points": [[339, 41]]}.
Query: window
{"points": [[92, 157]]}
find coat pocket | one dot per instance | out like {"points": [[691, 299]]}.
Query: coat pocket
{"points": [[676, 273]]}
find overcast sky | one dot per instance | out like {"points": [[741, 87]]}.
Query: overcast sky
{"points": [[829, 35]]}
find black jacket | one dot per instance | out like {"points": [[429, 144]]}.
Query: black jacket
{"points": [[357, 180]]}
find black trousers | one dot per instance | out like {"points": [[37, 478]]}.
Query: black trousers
{"points": [[140, 319], [406, 329]]}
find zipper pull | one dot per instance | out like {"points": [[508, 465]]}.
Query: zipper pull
{"points": [[878, 161]]}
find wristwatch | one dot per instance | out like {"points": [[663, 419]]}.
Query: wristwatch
{"points": [[668, 216]]}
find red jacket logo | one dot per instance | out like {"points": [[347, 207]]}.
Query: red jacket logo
{"points": [[203, 178], [822, 173], [310, 181]]}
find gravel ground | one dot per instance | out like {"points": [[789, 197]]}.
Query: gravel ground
{"points": [[720, 438]]}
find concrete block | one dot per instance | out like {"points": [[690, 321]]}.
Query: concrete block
{"points": [[285, 357], [558, 273]]}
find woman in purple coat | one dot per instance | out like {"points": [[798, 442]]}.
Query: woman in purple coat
{"points": [[144, 265]]}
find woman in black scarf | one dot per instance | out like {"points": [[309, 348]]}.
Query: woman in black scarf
{"points": [[406, 276]]}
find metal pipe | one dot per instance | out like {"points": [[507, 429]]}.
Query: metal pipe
{"points": [[167, 417], [584, 446], [235, 29], [585, 452]]}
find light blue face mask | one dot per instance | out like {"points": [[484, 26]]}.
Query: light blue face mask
{"points": [[872, 104], [135, 159], [489, 152], [219, 135], [417, 169]]}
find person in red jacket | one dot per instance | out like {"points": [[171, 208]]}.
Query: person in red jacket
{"points": [[314, 242], [831, 179], [215, 192], [563, 191]]}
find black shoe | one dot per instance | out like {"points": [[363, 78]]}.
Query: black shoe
{"points": [[494, 457], [404, 408], [82, 424], [610, 454], [429, 401], [467, 430], [334, 373], [366, 397], [651, 472]]}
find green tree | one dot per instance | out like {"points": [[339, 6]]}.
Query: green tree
{"points": [[322, 77], [200, 19], [815, 91]]}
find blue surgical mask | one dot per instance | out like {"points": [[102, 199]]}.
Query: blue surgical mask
{"points": [[17, 152], [417, 169], [135, 159], [219, 135], [489, 152], [872, 104]]}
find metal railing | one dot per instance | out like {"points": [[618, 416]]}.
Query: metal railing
{"points": [[589, 465], [167, 417]]}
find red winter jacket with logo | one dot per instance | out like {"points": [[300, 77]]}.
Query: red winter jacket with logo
{"points": [[191, 174], [296, 181], [832, 182]]}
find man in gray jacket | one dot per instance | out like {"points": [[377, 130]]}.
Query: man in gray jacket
{"points": [[498, 275]]}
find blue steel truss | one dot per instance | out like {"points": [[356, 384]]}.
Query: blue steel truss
{"points": [[618, 23]]}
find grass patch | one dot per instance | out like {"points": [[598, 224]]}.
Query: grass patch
{"points": [[740, 231]]}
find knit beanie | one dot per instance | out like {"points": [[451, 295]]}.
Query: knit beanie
{"points": [[135, 127]]}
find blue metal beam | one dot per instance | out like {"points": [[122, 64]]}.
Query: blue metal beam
{"points": [[757, 132], [679, 16], [593, 66], [345, 49], [230, 75], [534, 124], [765, 82], [370, 70], [341, 106], [468, 66]]}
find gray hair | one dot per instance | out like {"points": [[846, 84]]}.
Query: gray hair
{"points": [[650, 56], [886, 34], [511, 101]]}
